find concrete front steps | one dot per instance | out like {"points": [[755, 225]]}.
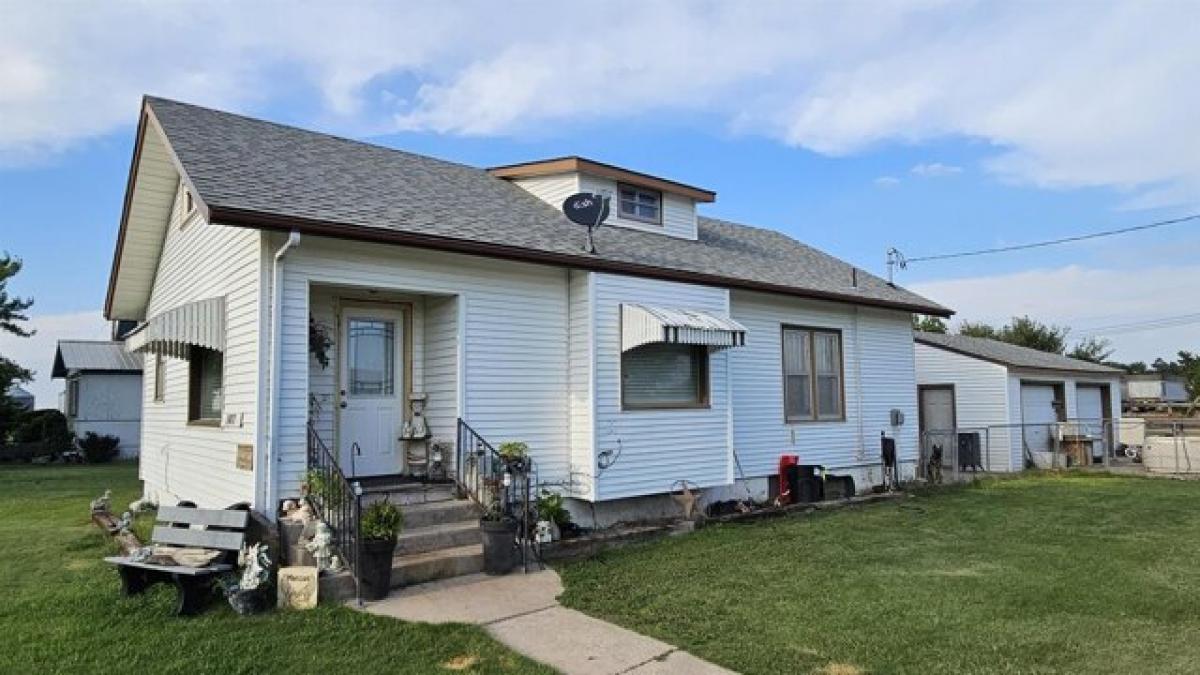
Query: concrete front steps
{"points": [[440, 540]]}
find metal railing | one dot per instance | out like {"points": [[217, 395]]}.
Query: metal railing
{"points": [[338, 502], [494, 483]]}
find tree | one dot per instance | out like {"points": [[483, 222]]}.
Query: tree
{"points": [[12, 315], [1034, 334], [1137, 368], [1096, 350], [979, 330], [928, 324]]}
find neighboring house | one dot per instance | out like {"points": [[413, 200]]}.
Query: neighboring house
{"points": [[103, 390], [20, 396], [1153, 389], [687, 348], [1014, 397]]}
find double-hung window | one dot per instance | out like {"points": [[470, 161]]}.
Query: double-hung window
{"points": [[812, 375], [640, 204]]}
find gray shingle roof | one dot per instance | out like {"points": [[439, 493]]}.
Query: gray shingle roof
{"points": [[239, 165], [85, 355], [1009, 355]]}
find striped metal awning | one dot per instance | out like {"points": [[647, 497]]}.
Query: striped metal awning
{"points": [[643, 324], [175, 331]]}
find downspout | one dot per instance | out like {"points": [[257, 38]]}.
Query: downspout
{"points": [[276, 358]]}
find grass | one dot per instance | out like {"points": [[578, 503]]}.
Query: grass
{"points": [[60, 610], [1049, 573]]}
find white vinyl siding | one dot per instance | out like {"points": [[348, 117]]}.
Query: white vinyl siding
{"points": [[657, 447], [880, 341], [980, 397], [513, 378], [553, 190], [182, 461], [441, 367]]}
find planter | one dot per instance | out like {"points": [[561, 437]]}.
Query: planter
{"points": [[376, 568], [499, 548], [249, 602]]}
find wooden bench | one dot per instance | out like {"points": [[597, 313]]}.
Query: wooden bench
{"points": [[222, 530]]}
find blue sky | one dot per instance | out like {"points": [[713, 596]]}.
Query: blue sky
{"points": [[933, 127]]}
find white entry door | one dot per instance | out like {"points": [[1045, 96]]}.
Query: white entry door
{"points": [[371, 391], [1089, 408]]}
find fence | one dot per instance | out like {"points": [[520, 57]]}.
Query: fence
{"points": [[338, 502], [1155, 445]]}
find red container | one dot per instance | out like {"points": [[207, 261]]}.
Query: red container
{"points": [[785, 461]]}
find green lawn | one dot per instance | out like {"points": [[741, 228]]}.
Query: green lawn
{"points": [[60, 610], [1068, 574]]}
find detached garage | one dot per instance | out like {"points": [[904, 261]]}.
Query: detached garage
{"points": [[1016, 401]]}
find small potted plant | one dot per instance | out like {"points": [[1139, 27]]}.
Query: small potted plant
{"points": [[381, 523], [550, 510], [499, 540], [513, 454]]}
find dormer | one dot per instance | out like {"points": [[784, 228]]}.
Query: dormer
{"points": [[639, 201]]}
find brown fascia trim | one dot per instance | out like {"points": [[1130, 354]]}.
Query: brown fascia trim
{"points": [[146, 121], [575, 164], [237, 217], [1012, 366]]}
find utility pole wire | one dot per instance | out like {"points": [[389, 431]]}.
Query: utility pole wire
{"points": [[903, 261]]}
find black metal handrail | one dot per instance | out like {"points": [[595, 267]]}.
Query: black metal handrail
{"points": [[336, 501], [482, 475]]}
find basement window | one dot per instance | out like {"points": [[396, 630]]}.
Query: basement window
{"points": [[640, 204]]}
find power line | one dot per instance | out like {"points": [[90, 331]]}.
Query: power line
{"points": [[903, 261], [1139, 326]]}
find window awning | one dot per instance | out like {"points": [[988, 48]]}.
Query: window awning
{"points": [[643, 324], [175, 331]]}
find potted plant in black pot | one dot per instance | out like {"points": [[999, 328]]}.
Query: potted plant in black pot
{"points": [[381, 523], [513, 454], [499, 540]]}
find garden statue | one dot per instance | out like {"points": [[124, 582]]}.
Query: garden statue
{"points": [[124, 523], [321, 546], [335, 564], [544, 533], [302, 513], [102, 503], [258, 567], [288, 506], [143, 504]]}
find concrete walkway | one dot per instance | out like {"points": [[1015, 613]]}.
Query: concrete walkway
{"points": [[522, 611]]}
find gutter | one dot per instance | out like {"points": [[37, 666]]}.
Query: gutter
{"points": [[271, 478]]}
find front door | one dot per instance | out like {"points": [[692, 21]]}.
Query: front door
{"points": [[371, 391]]}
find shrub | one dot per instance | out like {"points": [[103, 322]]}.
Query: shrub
{"points": [[381, 521], [327, 489], [550, 507], [99, 449], [48, 427]]}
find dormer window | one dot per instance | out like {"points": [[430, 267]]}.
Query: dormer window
{"points": [[640, 204]]}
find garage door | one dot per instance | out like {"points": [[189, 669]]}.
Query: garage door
{"points": [[1089, 409], [1038, 417]]}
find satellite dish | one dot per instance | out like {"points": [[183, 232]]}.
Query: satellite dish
{"points": [[589, 210]]}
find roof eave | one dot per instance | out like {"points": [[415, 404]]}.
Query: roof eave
{"points": [[1010, 365], [238, 217]]}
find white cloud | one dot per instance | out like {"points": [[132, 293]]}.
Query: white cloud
{"points": [[887, 181], [1068, 94], [935, 170], [37, 352], [1084, 299]]}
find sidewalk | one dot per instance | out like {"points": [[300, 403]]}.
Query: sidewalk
{"points": [[522, 611]]}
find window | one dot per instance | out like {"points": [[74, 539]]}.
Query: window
{"points": [[812, 375], [640, 204], [160, 378], [72, 397], [664, 376], [205, 390], [371, 353]]}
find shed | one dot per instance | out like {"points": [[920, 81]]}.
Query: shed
{"points": [[1021, 402], [103, 390]]}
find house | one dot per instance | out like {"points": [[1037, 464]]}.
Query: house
{"points": [[1150, 390], [20, 396], [102, 390], [1015, 400], [298, 292]]}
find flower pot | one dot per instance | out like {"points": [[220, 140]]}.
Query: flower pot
{"points": [[248, 602], [376, 568], [499, 545]]}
